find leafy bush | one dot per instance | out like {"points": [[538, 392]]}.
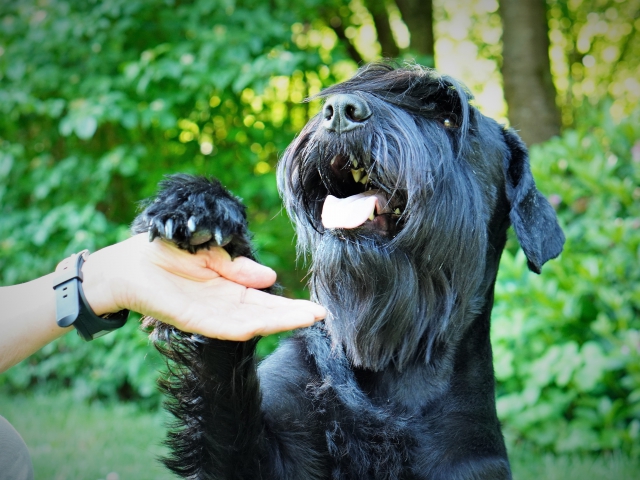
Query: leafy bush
{"points": [[567, 343], [99, 100], [95, 370]]}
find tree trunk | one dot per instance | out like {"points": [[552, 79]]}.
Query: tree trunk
{"points": [[418, 16], [381, 21], [526, 70], [336, 22]]}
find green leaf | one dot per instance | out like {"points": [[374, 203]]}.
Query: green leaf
{"points": [[85, 127]]}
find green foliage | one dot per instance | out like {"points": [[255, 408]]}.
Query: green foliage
{"points": [[99, 100], [93, 370], [567, 343]]}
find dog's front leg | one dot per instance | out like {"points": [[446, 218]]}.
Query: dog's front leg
{"points": [[211, 384]]}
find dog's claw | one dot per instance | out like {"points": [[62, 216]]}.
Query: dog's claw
{"points": [[191, 224], [218, 236], [153, 233], [168, 229]]}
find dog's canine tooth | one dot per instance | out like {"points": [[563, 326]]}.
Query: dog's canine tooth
{"points": [[397, 211], [372, 216], [191, 224], [333, 160], [357, 174], [364, 179], [353, 160]]}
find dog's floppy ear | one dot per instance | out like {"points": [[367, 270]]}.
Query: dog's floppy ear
{"points": [[532, 216]]}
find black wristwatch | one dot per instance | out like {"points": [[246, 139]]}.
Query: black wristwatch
{"points": [[72, 307]]}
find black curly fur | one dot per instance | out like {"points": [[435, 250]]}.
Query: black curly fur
{"points": [[398, 382], [217, 217]]}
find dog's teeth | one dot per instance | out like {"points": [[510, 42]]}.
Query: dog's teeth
{"points": [[364, 179], [218, 236], [353, 160], [372, 216], [357, 174], [191, 224], [333, 160], [397, 211]]}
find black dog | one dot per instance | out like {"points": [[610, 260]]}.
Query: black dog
{"points": [[401, 193]]}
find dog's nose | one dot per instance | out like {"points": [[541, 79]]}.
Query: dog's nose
{"points": [[345, 112]]}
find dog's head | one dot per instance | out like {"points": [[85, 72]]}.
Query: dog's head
{"points": [[402, 192]]}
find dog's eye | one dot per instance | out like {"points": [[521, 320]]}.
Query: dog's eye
{"points": [[449, 123]]}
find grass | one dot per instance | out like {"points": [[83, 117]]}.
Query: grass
{"points": [[531, 466], [72, 440]]}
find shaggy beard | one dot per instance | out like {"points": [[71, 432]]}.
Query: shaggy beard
{"points": [[381, 310]]}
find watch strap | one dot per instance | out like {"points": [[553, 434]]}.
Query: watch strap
{"points": [[72, 307], [66, 284]]}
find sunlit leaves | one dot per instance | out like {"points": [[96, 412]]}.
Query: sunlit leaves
{"points": [[594, 51]]}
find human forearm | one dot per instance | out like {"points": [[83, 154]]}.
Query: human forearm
{"points": [[196, 293], [27, 320]]}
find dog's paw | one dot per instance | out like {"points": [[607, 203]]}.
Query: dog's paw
{"points": [[195, 213]]}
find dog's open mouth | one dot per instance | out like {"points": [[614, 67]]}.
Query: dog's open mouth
{"points": [[356, 199]]}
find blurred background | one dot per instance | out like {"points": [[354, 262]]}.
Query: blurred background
{"points": [[99, 99]]}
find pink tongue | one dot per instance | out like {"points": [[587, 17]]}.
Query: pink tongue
{"points": [[350, 212]]}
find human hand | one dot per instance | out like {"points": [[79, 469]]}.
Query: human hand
{"points": [[205, 293]]}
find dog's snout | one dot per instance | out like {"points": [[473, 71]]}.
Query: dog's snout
{"points": [[345, 112]]}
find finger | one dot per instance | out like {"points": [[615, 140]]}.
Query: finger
{"points": [[249, 322], [240, 270], [266, 300], [285, 321]]}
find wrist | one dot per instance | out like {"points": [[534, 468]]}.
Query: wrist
{"points": [[98, 285], [72, 305]]}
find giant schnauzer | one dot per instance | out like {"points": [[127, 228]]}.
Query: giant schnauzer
{"points": [[401, 193]]}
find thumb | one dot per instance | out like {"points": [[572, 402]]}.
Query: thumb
{"points": [[241, 269]]}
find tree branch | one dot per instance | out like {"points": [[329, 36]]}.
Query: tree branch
{"points": [[418, 16], [335, 21], [383, 28]]}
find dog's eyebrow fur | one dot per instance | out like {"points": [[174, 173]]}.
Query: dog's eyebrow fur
{"points": [[413, 88]]}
